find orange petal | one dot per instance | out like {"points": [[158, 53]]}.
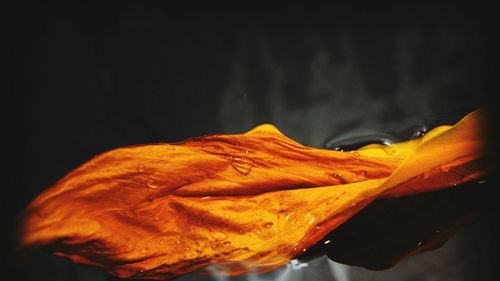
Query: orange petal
{"points": [[254, 200]]}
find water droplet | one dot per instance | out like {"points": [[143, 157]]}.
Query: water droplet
{"points": [[258, 231], [218, 235], [215, 245], [317, 227], [390, 150], [303, 250], [217, 148], [142, 270], [205, 197], [338, 177], [151, 183], [419, 243], [268, 224], [246, 151], [287, 217], [327, 242], [242, 167], [140, 168]]}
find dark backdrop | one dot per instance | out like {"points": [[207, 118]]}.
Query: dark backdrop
{"points": [[89, 78]]}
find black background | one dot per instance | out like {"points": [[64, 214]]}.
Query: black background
{"points": [[88, 78]]}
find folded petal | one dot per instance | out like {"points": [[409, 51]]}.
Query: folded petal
{"points": [[253, 200]]}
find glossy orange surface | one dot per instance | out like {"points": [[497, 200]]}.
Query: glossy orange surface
{"points": [[252, 201]]}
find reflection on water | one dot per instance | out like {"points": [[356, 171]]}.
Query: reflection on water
{"points": [[317, 269], [346, 143]]}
